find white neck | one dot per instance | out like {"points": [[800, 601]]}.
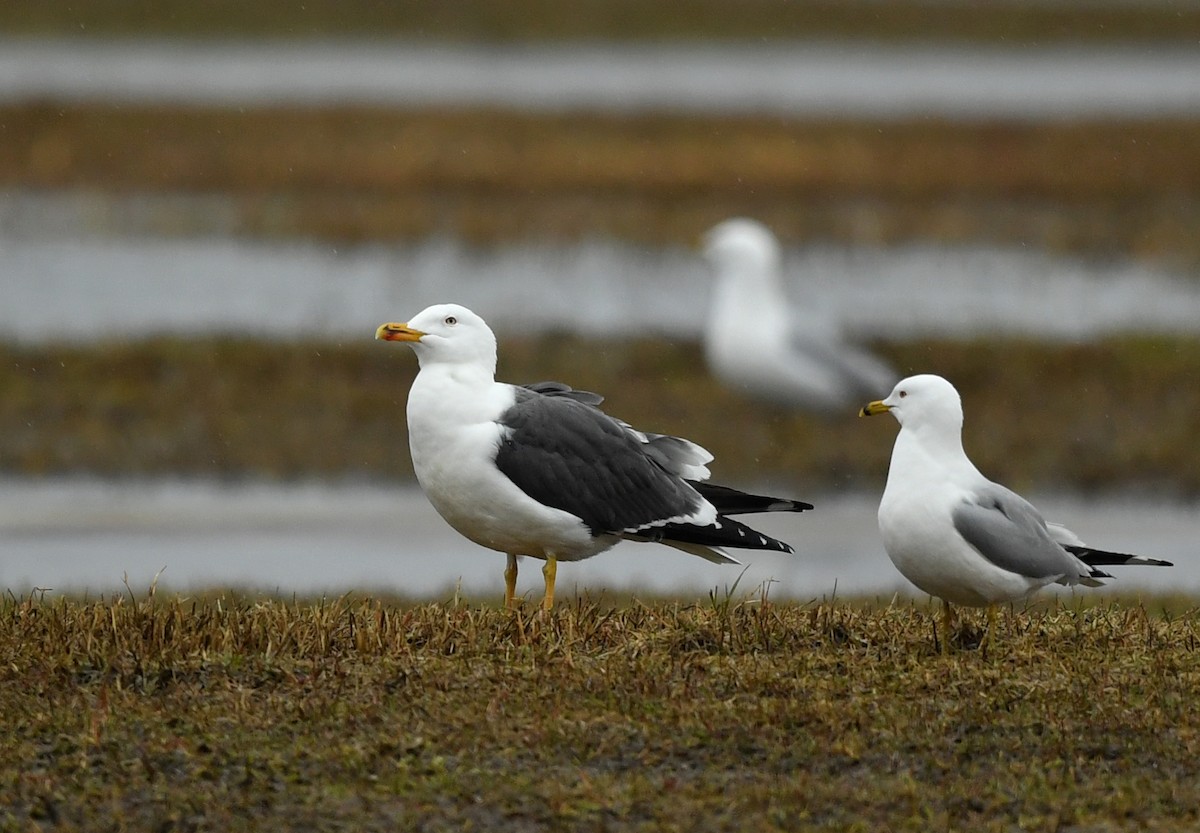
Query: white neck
{"points": [[446, 394], [932, 449]]}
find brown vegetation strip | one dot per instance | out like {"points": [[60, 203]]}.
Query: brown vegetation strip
{"points": [[1120, 414], [354, 174], [920, 20], [227, 713]]}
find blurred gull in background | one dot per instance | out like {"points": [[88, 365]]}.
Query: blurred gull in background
{"points": [[757, 344]]}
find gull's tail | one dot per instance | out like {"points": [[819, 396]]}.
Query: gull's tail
{"points": [[1096, 558], [725, 533], [710, 541]]}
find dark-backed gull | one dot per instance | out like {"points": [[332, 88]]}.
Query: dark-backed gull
{"points": [[541, 471]]}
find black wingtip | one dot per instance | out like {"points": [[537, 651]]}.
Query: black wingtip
{"points": [[785, 505], [1095, 558], [727, 532], [735, 502]]}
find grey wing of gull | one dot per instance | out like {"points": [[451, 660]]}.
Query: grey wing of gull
{"points": [[858, 371], [572, 456], [869, 374], [1009, 532], [551, 388], [678, 456]]}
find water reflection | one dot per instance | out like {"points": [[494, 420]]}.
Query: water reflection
{"points": [[76, 535], [867, 79], [131, 286]]}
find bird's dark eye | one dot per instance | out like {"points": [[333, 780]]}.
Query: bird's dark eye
{"points": [[903, 394], [451, 320]]}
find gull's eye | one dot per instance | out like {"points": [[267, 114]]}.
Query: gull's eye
{"points": [[451, 320], [903, 394]]}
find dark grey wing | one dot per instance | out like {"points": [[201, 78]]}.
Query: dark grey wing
{"points": [[572, 456], [550, 388], [676, 455], [1009, 532]]}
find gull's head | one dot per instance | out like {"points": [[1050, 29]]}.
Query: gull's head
{"points": [[741, 246], [445, 333], [919, 401]]}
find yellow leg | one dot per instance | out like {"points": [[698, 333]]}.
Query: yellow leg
{"points": [[550, 571], [986, 642], [947, 625], [510, 581]]}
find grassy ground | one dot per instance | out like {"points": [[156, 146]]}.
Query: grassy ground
{"points": [[228, 713], [1013, 21], [1120, 414], [1103, 188]]}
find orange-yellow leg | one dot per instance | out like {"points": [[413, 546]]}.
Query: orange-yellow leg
{"points": [[550, 571], [986, 642], [947, 625], [510, 581]]}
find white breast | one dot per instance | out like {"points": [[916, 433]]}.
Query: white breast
{"points": [[453, 437]]}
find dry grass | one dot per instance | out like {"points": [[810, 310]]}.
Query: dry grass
{"points": [[231, 713], [1119, 414], [359, 174], [614, 19]]}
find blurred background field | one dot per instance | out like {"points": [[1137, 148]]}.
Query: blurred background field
{"points": [[206, 209], [191, 283], [1102, 189], [523, 20]]}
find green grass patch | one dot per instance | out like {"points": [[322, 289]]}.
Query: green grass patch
{"points": [[351, 174], [1118, 414], [237, 713]]}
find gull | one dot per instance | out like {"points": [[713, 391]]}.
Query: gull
{"points": [[755, 343], [541, 471], [954, 533]]}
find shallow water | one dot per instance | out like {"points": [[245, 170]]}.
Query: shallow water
{"points": [[115, 287], [77, 535], [810, 78]]}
